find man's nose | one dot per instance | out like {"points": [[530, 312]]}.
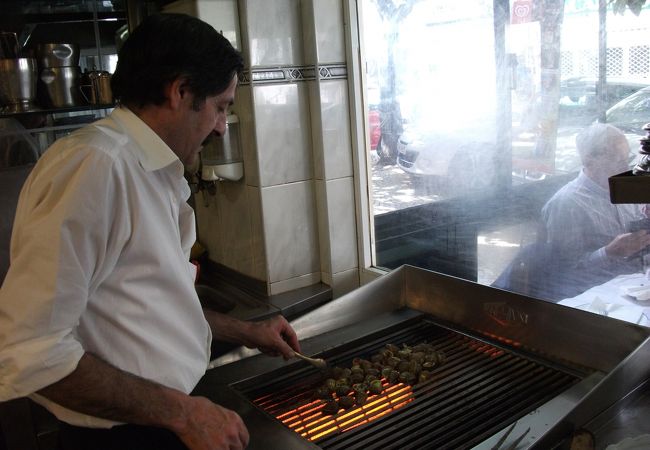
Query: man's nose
{"points": [[220, 126]]}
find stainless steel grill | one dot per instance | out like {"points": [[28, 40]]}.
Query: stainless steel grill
{"points": [[480, 389], [537, 369]]}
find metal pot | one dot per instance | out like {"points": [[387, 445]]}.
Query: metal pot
{"points": [[61, 86], [18, 83], [57, 55]]}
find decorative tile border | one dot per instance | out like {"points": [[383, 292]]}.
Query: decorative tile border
{"points": [[290, 74], [334, 71]]}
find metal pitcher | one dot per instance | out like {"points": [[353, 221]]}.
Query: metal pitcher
{"points": [[96, 87]]}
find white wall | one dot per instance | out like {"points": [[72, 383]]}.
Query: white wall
{"points": [[291, 221]]}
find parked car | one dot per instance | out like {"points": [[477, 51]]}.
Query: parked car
{"points": [[578, 101], [449, 160], [456, 157], [631, 113], [374, 126], [374, 122], [577, 109], [380, 137]]}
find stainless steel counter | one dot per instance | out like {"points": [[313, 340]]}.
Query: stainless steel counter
{"points": [[626, 419]]}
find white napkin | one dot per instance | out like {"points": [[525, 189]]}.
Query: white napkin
{"points": [[598, 306], [629, 313], [640, 292]]}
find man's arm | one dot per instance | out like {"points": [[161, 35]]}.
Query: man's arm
{"points": [[272, 336], [102, 390]]}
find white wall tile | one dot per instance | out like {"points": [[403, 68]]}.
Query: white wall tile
{"points": [[274, 32], [283, 133], [323, 226], [294, 283], [234, 226], [254, 200], [221, 14], [244, 32], [344, 282], [309, 32], [337, 144], [316, 129], [290, 230], [244, 109], [224, 17], [230, 227], [330, 38], [208, 231], [326, 278], [342, 224]]}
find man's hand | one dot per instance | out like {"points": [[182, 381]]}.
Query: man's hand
{"points": [[273, 337], [628, 244], [208, 426]]}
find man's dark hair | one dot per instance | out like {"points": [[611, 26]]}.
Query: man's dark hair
{"points": [[167, 46]]}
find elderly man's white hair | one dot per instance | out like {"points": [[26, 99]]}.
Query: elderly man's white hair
{"points": [[597, 140]]}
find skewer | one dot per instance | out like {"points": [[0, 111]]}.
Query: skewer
{"points": [[316, 362]]}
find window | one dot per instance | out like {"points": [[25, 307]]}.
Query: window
{"points": [[476, 107]]}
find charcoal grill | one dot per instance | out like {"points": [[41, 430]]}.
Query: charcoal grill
{"points": [[512, 362]]}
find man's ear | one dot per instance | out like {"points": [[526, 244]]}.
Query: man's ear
{"points": [[177, 92]]}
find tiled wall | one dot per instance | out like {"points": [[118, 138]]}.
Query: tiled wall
{"points": [[291, 220]]}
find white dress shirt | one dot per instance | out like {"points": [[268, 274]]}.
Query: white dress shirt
{"points": [[579, 221], [100, 264], [583, 219]]}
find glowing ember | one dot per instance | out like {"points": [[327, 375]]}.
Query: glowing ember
{"points": [[312, 424]]}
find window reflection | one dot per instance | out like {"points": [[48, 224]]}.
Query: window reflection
{"points": [[474, 111]]}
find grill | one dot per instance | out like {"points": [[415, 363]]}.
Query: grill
{"points": [[513, 364], [478, 390]]}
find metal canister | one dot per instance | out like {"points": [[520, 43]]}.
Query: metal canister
{"points": [[96, 87], [100, 80]]}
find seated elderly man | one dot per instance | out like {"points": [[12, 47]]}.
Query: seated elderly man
{"points": [[591, 238]]}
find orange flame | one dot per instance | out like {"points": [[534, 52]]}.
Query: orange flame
{"points": [[309, 421]]}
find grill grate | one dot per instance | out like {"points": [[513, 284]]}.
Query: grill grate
{"points": [[479, 390]]}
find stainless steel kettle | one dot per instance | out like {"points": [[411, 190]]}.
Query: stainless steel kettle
{"points": [[96, 87]]}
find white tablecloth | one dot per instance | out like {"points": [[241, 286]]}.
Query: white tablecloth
{"points": [[609, 299]]}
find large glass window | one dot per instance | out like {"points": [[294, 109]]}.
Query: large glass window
{"points": [[488, 145]]}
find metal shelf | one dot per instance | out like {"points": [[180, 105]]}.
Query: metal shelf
{"points": [[47, 18], [58, 110], [89, 23]]}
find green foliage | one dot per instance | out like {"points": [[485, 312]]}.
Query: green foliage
{"points": [[618, 6]]}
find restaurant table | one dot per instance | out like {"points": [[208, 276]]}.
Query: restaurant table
{"points": [[610, 299]]}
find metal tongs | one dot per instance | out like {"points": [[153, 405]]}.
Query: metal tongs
{"points": [[316, 362], [516, 442]]}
